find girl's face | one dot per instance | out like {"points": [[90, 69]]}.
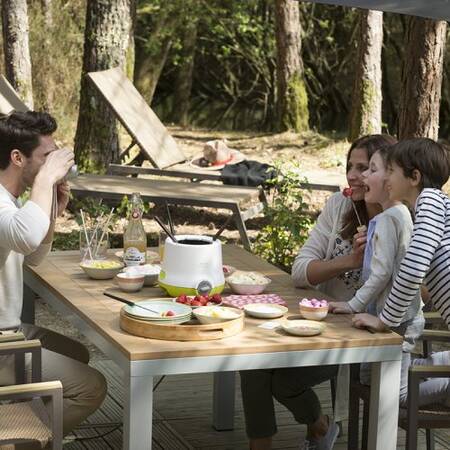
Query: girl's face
{"points": [[374, 179], [358, 162]]}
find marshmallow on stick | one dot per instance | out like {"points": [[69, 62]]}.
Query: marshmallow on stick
{"points": [[348, 192]]}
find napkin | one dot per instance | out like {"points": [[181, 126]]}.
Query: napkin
{"points": [[239, 301]]}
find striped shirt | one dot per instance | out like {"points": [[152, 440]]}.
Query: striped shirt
{"points": [[426, 260]]}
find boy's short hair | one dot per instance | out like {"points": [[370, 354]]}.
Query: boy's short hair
{"points": [[21, 131], [425, 155]]}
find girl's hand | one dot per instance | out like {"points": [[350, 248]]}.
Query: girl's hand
{"points": [[368, 321], [340, 308], [357, 254]]}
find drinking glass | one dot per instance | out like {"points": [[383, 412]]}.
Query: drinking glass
{"points": [[98, 249], [161, 243]]}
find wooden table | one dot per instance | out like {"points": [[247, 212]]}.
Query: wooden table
{"points": [[63, 284]]}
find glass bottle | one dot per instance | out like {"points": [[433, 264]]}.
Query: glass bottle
{"points": [[134, 237]]}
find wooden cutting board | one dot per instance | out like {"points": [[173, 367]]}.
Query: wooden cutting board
{"points": [[190, 331]]}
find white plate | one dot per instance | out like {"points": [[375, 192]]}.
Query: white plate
{"points": [[302, 327], [265, 310], [161, 306]]}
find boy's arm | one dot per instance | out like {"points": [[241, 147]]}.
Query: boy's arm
{"points": [[385, 247], [427, 235]]}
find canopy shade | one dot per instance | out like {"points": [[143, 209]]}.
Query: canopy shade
{"points": [[434, 9]]}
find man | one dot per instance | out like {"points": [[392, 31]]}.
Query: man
{"points": [[29, 158]]}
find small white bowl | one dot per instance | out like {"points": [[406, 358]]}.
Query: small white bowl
{"points": [[130, 283], [149, 271], [246, 288], [302, 327], [265, 310], [313, 313], [211, 314], [94, 270]]}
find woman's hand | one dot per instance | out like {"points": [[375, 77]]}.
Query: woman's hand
{"points": [[357, 254], [368, 321], [340, 308]]}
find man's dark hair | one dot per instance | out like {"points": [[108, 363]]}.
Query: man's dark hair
{"points": [[425, 155], [21, 131]]}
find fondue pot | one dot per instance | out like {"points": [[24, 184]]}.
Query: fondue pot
{"points": [[191, 266]]}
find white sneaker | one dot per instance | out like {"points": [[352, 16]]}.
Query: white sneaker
{"points": [[328, 441], [308, 445]]}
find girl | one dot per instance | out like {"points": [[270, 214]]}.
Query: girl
{"points": [[388, 237]]}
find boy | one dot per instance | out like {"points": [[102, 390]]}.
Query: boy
{"points": [[418, 168]]}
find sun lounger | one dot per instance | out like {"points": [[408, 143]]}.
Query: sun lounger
{"points": [[9, 100], [243, 202]]}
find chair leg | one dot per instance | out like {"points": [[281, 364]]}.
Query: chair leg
{"points": [[333, 402], [241, 228], [353, 417], [430, 439]]}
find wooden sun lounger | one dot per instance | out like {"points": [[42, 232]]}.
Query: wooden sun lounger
{"points": [[233, 198], [9, 100]]}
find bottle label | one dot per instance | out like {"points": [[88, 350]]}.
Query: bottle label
{"points": [[133, 257]]}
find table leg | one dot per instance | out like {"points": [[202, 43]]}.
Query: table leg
{"points": [[137, 414], [223, 400], [384, 404], [29, 298]]}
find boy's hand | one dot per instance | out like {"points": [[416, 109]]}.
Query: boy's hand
{"points": [[368, 321], [340, 308]]}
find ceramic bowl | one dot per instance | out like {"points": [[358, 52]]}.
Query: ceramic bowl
{"points": [[149, 271], [101, 269], [247, 287], [265, 310], [129, 282], [313, 313], [215, 314], [302, 327]]}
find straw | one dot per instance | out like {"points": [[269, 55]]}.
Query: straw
{"points": [[85, 234], [105, 228], [94, 233]]}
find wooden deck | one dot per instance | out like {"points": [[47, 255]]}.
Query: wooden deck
{"points": [[183, 418]]}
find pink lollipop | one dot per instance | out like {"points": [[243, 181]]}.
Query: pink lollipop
{"points": [[348, 192]]}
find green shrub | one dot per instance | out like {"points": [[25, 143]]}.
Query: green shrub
{"points": [[288, 220]]}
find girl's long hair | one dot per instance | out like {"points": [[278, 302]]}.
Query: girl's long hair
{"points": [[371, 144]]}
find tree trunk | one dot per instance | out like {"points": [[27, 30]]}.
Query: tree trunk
{"points": [[47, 12], [420, 92], [183, 82], [16, 48], [292, 100], [148, 68], [106, 43], [367, 93]]}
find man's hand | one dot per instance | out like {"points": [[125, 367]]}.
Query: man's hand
{"points": [[369, 321], [56, 165], [63, 195], [340, 308]]}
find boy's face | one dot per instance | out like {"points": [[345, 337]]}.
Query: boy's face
{"points": [[397, 184]]}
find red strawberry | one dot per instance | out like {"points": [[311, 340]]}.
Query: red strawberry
{"points": [[348, 192], [196, 303], [170, 313], [216, 298], [182, 299], [202, 299]]}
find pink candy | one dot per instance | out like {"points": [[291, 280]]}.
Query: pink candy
{"points": [[313, 303]]}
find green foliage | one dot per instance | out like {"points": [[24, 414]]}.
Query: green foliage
{"points": [[288, 221]]}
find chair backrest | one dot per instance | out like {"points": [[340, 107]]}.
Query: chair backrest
{"points": [[138, 118], [9, 100]]}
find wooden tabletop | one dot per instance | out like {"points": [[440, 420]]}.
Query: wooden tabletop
{"points": [[61, 274]]}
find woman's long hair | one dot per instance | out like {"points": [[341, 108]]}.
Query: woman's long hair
{"points": [[371, 144]]}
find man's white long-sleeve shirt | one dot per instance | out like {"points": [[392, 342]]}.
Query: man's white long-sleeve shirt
{"points": [[22, 230]]}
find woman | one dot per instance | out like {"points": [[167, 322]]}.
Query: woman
{"points": [[330, 260]]}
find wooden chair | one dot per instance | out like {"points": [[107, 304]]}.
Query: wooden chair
{"points": [[412, 417], [23, 415]]}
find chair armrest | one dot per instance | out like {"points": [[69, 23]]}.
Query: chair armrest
{"points": [[419, 372], [435, 335], [432, 317], [19, 349], [48, 389], [10, 337]]}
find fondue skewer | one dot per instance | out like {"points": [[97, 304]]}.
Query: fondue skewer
{"points": [[222, 228], [161, 224], [169, 218], [129, 302]]}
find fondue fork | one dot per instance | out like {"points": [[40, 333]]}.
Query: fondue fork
{"points": [[129, 302], [160, 223]]}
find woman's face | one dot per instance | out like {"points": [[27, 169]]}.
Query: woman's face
{"points": [[358, 162]]}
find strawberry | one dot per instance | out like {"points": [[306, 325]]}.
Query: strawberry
{"points": [[216, 298], [196, 303], [203, 300], [348, 192], [170, 313]]}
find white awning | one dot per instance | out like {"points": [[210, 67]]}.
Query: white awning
{"points": [[434, 9]]}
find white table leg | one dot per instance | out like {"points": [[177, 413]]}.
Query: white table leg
{"points": [[137, 413], [223, 400], [384, 403]]}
